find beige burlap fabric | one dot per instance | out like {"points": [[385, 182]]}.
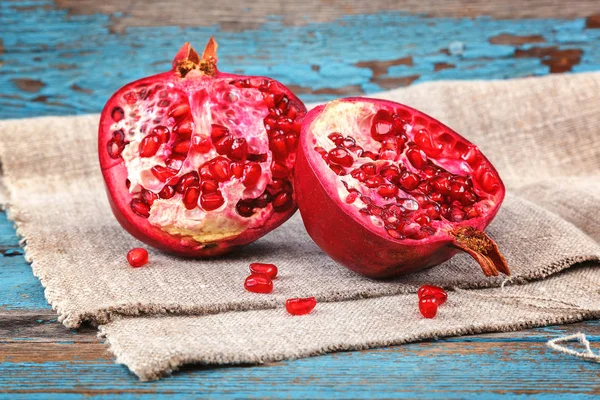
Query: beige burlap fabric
{"points": [[541, 133]]}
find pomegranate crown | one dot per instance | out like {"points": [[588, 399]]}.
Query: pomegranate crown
{"points": [[187, 59]]}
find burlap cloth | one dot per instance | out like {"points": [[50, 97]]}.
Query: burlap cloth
{"points": [[542, 134]]}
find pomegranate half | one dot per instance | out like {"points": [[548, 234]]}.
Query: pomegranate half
{"points": [[197, 161], [385, 189]]}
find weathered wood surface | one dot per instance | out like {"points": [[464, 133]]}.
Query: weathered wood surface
{"points": [[67, 57]]}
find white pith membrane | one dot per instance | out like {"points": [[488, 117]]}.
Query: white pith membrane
{"points": [[211, 100], [444, 150]]}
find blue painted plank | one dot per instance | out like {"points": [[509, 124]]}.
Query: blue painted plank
{"points": [[77, 62]]}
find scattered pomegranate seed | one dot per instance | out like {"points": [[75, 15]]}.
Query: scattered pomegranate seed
{"points": [[260, 268], [428, 306], [258, 283], [299, 306], [137, 257], [435, 291]]}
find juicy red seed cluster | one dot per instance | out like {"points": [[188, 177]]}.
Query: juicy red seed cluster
{"points": [[430, 298], [437, 193], [234, 161], [137, 257]]}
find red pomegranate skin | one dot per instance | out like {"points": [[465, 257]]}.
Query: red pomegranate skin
{"points": [[115, 172], [353, 241]]}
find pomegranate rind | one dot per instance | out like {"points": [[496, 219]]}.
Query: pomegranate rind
{"points": [[354, 241]]}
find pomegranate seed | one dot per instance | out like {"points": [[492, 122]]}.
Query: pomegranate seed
{"points": [[179, 110], [359, 175], [201, 144], [279, 170], [391, 174], [187, 180], [279, 147], [218, 131], [456, 214], [356, 150], [338, 169], [211, 201], [263, 200], [300, 306], [219, 169], [114, 149], [261, 268], [244, 208], [369, 168], [424, 140], [395, 234], [149, 145], [210, 186], [417, 158], [137, 257], [190, 197], [369, 154], [435, 291], [348, 142], [382, 125], [282, 201], [167, 192], [149, 197], [175, 162], [432, 210], [291, 141], [341, 156], [236, 169], [488, 182], [162, 132], [223, 145], [351, 197], [374, 181], [117, 114], [184, 130], [162, 173], [257, 157], [336, 138], [239, 149], [252, 174], [387, 190], [140, 208], [428, 306], [258, 283], [472, 212], [181, 147]]}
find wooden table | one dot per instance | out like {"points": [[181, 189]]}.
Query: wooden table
{"points": [[67, 57]]}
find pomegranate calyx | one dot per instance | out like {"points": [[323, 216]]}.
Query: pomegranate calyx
{"points": [[482, 248], [187, 59]]}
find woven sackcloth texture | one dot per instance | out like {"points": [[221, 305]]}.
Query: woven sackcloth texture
{"points": [[541, 133]]}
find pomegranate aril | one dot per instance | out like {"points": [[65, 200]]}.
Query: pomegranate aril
{"points": [[236, 169], [356, 150], [114, 149], [279, 170], [219, 169], [252, 174], [359, 175], [137, 257], [423, 220], [257, 157], [211, 201], [245, 208], [223, 145], [149, 145], [184, 130], [187, 180], [369, 168], [351, 197], [162, 173], [190, 197], [179, 110], [210, 186], [338, 169], [374, 181], [218, 131], [167, 192], [148, 197], [239, 149], [175, 162], [140, 208], [341, 156], [201, 144], [391, 174], [417, 157], [336, 138], [258, 283], [488, 181], [117, 114], [261, 268], [428, 306], [423, 138], [291, 141], [299, 306], [282, 201], [472, 212], [162, 132], [279, 147], [381, 125], [435, 291], [457, 214], [387, 191], [263, 200], [181, 147], [409, 180]]}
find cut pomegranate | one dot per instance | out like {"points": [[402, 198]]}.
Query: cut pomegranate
{"points": [[258, 283], [435, 291], [137, 257], [300, 306], [416, 194], [197, 161], [260, 268], [428, 306]]}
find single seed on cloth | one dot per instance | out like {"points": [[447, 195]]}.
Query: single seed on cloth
{"points": [[137, 257], [435, 291], [262, 268], [428, 306], [300, 306], [258, 283]]}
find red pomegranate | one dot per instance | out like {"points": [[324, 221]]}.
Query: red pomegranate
{"points": [[197, 161], [385, 189]]}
